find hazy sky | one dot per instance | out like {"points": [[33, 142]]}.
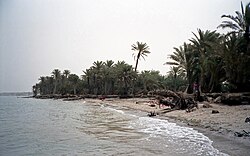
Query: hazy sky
{"points": [[37, 36]]}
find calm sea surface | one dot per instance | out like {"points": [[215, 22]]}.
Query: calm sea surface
{"points": [[55, 127]]}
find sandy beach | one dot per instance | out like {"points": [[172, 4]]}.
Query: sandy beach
{"points": [[219, 127]]}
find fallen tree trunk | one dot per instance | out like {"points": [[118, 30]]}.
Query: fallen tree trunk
{"points": [[235, 98], [230, 98], [175, 100]]}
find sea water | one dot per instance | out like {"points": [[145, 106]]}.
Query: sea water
{"points": [[55, 127]]}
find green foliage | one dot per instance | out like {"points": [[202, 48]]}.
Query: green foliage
{"points": [[212, 58], [103, 78], [148, 81], [73, 81], [175, 83]]}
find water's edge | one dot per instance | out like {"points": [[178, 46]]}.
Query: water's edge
{"points": [[225, 143]]}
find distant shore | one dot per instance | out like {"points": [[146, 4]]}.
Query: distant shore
{"points": [[220, 127], [16, 93]]}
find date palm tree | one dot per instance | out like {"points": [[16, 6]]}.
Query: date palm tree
{"points": [[87, 77], [239, 23], [108, 77], [43, 84], [124, 74], [66, 73], [56, 73], [35, 89], [149, 80], [174, 72], [73, 80], [236, 51], [97, 76], [236, 63], [204, 45], [182, 58], [141, 50]]}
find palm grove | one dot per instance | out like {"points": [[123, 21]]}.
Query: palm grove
{"points": [[217, 62]]}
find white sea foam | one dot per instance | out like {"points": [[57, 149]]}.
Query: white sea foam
{"points": [[172, 133], [116, 110], [185, 139]]}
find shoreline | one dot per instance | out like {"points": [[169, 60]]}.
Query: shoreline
{"points": [[219, 127]]}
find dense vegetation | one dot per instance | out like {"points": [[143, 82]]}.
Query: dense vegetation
{"points": [[104, 78], [217, 62]]}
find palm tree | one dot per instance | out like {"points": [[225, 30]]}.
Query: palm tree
{"points": [[204, 48], [74, 79], [35, 89], [42, 85], [183, 57], [149, 80], [51, 85], [88, 77], [124, 77], [64, 81], [239, 23], [141, 50], [97, 76], [108, 76], [56, 75], [66, 73], [236, 62], [237, 48], [174, 72], [109, 63]]}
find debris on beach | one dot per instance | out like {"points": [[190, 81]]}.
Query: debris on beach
{"points": [[242, 134], [230, 98], [207, 105], [176, 101], [151, 114], [215, 111], [247, 120], [152, 105]]}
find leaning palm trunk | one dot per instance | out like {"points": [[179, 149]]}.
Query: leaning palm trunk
{"points": [[137, 60]]}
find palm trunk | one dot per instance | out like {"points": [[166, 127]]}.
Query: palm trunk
{"points": [[175, 88], [55, 88], [144, 86], [189, 89], [136, 64], [74, 90], [133, 88], [137, 60], [126, 88], [105, 87], [89, 88]]}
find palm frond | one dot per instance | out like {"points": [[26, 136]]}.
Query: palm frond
{"points": [[242, 10], [229, 24], [247, 14], [171, 63]]}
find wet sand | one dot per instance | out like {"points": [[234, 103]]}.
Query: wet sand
{"points": [[219, 127]]}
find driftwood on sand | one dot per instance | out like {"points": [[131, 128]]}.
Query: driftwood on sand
{"points": [[230, 98], [151, 114], [175, 100]]}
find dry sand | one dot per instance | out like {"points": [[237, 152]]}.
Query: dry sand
{"points": [[219, 127]]}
